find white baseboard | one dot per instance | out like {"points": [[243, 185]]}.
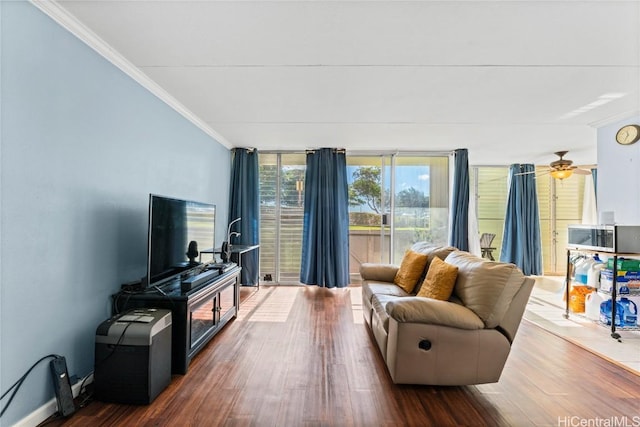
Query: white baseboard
{"points": [[50, 407]]}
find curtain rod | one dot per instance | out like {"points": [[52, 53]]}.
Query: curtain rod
{"points": [[336, 150], [370, 152]]}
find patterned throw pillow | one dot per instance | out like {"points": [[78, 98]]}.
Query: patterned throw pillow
{"points": [[411, 268], [440, 280]]}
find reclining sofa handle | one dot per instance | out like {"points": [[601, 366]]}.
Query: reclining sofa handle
{"points": [[424, 345]]}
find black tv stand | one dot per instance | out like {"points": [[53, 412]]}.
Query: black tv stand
{"points": [[198, 313]]}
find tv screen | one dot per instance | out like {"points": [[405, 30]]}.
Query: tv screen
{"points": [[173, 225]]}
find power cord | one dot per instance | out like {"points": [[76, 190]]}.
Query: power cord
{"points": [[115, 346], [81, 391], [115, 305], [16, 386], [124, 294]]}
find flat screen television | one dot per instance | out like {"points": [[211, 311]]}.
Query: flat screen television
{"points": [[174, 225]]}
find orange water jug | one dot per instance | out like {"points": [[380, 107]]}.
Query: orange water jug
{"points": [[577, 297]]}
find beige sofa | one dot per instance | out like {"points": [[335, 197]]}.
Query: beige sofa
{"points": [[465, 340]]}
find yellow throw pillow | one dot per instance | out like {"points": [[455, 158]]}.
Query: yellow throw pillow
{"points": [[411, 268], [440, 280]]}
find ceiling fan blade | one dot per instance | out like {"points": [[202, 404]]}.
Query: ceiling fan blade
{"points": [[579, 171], [524, 173]]}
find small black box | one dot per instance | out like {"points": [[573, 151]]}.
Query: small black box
{"points": [[133, 356]]}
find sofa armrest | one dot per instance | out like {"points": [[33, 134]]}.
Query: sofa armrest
{"points": [[433, 312], [378, 272]]}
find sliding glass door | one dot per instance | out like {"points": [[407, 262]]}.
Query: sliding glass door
{"points": [[395, 200], [281, 215], [420, 202], [369, 210]]}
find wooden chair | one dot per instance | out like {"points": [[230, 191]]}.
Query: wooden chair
{"points": [[485, 245]]}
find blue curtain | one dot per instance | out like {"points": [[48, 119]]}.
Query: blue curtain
{"points": [[459, 236], [325, 238], [244, 202], [521, 238]]}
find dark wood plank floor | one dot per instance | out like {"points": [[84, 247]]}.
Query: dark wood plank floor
{"points": [[302, 356]]}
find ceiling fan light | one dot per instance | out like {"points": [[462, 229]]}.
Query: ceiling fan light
{"points": [[561, 173]]}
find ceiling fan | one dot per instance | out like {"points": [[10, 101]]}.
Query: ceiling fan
{"points": [[562, 168]]}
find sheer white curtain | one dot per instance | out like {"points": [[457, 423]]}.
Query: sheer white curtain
{"points": [[474, 230], [589, 209]]}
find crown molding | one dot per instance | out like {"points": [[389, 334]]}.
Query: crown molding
{"points": [[613, 119], [69, 22]]}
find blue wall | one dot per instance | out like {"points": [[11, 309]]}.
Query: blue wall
{"points": [[619, 174], [82, 146]]}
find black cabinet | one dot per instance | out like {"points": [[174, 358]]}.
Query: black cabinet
{"points": [[198, 314]]}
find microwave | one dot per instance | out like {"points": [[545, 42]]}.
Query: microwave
{"points": [[605, 238]]}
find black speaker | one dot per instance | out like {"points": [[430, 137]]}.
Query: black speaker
{"points": [[192, 251]]}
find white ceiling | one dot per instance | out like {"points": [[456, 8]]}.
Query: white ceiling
{"points": [[512, 81]]}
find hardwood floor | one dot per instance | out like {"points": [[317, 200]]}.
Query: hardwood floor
{"points": [[302, 356]]}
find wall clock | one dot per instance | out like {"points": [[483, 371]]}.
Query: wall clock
{"points": [[628, 134]]}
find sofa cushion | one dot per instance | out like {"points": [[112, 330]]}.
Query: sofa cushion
{"points": [[485, 287], [370, 289], [440, 280], [433, 312], [411, 268], [379, 304], [424, 247]]}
